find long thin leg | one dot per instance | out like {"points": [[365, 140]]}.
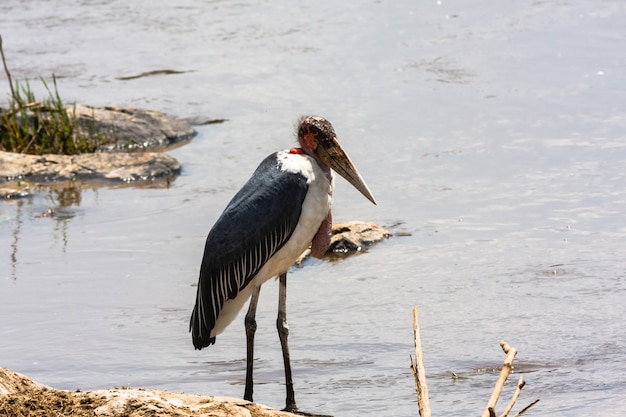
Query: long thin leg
{"points": [[283, 333], [250, 323]]}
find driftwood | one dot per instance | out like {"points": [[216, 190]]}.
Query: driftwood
{"points": [[507, 366], [422, 391], [419, 373]]}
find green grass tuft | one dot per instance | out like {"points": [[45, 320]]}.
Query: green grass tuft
{"points": [[41, 127]]}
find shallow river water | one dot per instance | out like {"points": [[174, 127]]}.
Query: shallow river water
{"points": [[493, 135]]}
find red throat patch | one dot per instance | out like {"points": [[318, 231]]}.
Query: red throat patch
{"points": [[298, 151]]}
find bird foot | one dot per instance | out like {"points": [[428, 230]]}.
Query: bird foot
{"points": [[294, 410]]}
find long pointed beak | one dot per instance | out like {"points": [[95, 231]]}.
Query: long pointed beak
{"points": [[333, 155]]}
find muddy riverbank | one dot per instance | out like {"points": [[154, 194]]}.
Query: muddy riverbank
{"points": [[21, 396]]}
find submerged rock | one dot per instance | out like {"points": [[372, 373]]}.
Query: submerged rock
{"points": [[19, 395], [124, 129]]}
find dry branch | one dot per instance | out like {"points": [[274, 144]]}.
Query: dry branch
{"points": [[526, 408], [6, 69], [419, 375], [507, 366], [417, 366], [504, 374], [518, 390]]}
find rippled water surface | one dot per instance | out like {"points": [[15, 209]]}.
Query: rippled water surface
{"points": [[493, 135]]}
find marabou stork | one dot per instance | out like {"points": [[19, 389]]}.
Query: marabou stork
{"points": [[279, 212]]}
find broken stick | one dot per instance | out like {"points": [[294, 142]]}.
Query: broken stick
{"points": [[419, 375], [507, 366], [518, 390], [417, 366], [504, 374]]}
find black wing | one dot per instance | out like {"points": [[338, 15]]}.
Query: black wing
{"points": [[257, 222]]}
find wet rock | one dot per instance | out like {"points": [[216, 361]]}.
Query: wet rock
{"points": [[125, 167], [355, 236], [13, 193], [19, 395], [131, 138], [124, 129], [350, 238]]}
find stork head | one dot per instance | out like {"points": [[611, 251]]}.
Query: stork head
{"points": [[318, 140]]}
